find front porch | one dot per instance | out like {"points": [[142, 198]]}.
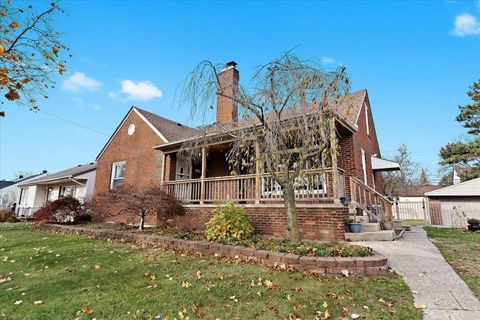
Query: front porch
{"points": [[325, 197], [314, 187]]}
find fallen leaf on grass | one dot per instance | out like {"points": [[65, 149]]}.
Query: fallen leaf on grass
{"points": [[87, 311], [37, 302]]}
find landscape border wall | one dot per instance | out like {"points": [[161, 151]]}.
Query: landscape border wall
{"points": [[364, 266]]}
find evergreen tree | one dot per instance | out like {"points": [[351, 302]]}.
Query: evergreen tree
{"points": [[423, 179], [466, 153]]}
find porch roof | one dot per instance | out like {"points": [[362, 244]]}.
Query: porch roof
{"points": [[67, 175], [346, 118]]}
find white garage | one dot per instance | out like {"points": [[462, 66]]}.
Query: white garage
{"points": [[453, 205]]}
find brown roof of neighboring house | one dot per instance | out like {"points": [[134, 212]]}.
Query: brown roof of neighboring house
{"points": [[462, 170], [418, 191], [171, 130]]}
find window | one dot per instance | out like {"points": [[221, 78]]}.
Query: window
{"points": [[364, 166], [67, 192], [49, 194], [131, 129], [118, 174], [5, 198], [366, 120], [23, 195]]}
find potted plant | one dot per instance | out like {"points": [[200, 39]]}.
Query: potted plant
{"points": [[387, 225], [473, 224], [353, 225]]}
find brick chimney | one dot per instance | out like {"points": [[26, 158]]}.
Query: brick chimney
{"points": [[227, 107]]}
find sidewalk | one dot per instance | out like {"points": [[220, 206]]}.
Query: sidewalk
{"points": [[436, 286]]}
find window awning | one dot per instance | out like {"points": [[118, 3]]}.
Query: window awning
{"points": [[384, 165]]}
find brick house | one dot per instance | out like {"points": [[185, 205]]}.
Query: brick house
{"points": [[145, 149]]}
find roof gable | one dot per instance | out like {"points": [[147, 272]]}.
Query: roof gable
{"points": [[166, 129]]}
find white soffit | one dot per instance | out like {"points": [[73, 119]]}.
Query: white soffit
{"points": [[384, 165]]}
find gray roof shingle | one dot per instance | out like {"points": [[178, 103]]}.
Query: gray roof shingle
{"points": [[68, 173], [171, 130]]}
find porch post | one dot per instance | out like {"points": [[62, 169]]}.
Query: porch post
{"points": [[333, 144], [202, 176], [162, 170], [257, 172]]}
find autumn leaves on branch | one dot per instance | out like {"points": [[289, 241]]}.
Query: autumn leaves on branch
{"points": [[31, 53]]}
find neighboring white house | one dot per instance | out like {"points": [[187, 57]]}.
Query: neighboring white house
{"points": [[453, 205], [10, 194], [77, 182]]}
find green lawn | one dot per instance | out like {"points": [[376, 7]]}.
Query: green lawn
{"points": [[461, 248], [69, 273], [415, 222]]}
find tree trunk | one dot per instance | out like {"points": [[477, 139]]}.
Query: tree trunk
{"points": [[142, 222], [291, 211]]}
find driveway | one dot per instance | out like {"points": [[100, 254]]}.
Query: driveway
{"points": [[436, 286]]}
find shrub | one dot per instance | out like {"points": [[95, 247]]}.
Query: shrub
{"points": [[473, 222], [229, 223], [136, 202], [7, 216], [64, 210]]}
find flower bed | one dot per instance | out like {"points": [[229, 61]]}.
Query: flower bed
{"points": [[330, 249], [312, 249], [368, 265]]}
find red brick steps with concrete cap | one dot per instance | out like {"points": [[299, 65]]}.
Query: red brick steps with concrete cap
{"points": [[364, 266]]}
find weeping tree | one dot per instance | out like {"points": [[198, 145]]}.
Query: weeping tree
{"points": [[286, 120]]}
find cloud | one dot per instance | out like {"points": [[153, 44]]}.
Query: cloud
{"points": [[142, 90], [328, 60], [80, 82], [466, 25]]}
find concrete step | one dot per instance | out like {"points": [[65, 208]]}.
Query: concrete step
{"points": [[384, 235], [370, 227]]}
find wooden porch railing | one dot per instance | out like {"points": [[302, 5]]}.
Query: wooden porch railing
{"points": [[368, 198], [312, 185]]}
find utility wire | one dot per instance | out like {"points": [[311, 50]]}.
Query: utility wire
{"points": [[74, 123]]}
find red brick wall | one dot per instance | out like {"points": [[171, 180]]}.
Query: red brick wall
{"points": [[351, 150], [227, 108], [326, 224], [142, 162]]}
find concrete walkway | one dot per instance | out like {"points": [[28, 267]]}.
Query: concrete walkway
{"points": [[436, 286]]}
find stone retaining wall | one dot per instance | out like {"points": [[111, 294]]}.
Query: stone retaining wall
{"points": [[318, 265]]}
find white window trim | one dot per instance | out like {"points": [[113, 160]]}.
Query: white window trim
{"points": [[112, 174], [364, 166], [64, 188], [366, 120]]}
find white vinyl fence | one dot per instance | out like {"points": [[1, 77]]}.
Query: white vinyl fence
{"points": [[405, 210]]}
